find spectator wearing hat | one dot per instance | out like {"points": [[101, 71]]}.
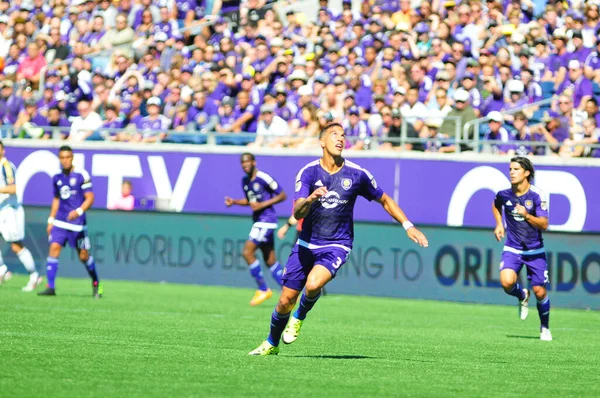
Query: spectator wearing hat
{"points": [[553, 130], [468, 83], [579, 52], [576, 85], [152, 128], [533, 90], [498, 134], [516, 98], [462, 112], [436, 142], [592, 64], [86, 124], [357, 129], [272, 131]]}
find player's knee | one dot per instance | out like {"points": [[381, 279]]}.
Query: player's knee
{"points": [[16, 247], [313, 287], [247, 253], [83, 256], [286, 304], [540, 292], [507, 284]]}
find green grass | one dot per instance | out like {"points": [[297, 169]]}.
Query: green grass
{"points": [[166, 340]]}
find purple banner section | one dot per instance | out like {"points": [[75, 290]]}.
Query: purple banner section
{"points": [[434, 192]]}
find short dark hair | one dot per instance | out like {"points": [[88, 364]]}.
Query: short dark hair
{"points": [[329, 126], [248, 154], [526, 165], [65, 148]]}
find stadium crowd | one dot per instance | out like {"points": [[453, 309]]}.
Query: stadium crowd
{"points": [[158, 70]]}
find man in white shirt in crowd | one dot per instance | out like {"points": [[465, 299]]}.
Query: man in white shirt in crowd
{"points": [[85, 124], [272, 131]]}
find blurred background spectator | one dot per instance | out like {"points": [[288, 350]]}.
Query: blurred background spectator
{"points": [[176, 71]]}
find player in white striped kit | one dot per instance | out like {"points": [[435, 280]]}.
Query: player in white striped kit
{"points": [[12, 224]]}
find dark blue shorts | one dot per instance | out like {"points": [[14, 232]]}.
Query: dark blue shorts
{"points": [[75, 239], [302, 260], [536, 265]]}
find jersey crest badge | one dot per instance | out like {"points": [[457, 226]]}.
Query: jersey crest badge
{"points": [[528, 204], [72, 181], [256, 186], [346, 183]]}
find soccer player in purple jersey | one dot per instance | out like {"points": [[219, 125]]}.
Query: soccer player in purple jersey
{"points": [[73, 196], [526, 215], [262, 193], [325, 194]]}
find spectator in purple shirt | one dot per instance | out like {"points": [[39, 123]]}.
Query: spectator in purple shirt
{"points": [[57, 126], [357, 130], [577, 85]]}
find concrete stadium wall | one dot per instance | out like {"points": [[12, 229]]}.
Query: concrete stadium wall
{"points": [[460, 265]]}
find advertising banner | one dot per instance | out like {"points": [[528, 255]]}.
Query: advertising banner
{"points": [[432, 192], [461, 264]]}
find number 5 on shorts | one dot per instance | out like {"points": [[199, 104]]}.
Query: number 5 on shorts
{"points": [[546, 277]]}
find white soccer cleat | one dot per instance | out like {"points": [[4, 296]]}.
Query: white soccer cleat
{"points": [[524, 306], [34, 281], [5, 274], [545, 335], [292, 330]]}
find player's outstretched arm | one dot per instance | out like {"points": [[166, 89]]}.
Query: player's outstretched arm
{"points": [[396, 212], [240, 202], [499, 230], [302, 205]]}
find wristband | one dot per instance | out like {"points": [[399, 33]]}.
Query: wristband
{"points": [[407, 225], [79, 211], [50, 220], [288, 224]]}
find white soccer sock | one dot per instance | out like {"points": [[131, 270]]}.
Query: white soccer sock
{"points": [[27, 259]]}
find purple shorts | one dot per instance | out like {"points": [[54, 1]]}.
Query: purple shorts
{"points": [[302, 260], [536, 265], [261, 236], [75, 239]]}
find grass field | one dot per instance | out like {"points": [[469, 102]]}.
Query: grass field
{"points": [[165, 340]]}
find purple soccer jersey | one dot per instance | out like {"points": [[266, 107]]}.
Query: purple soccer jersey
{"points": [[328, 229], [331, 218], [263, 187], [70, 190], [524, 243], [520, 235]]}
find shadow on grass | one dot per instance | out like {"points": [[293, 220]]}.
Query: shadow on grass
{"points": [[333, 356], [513, 336]]}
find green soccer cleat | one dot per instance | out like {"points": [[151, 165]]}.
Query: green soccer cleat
{"points": [[264, 349], [292, 330], [97, 290]]}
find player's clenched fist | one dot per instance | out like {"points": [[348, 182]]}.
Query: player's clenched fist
{"points": [[228, 201], [317, 193]]}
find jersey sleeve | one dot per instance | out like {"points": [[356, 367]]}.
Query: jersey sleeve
{"points": [[303, 184], [274, 186], [86, 183], [541, 205], [368, 187], [55, 190], [498, 201]]}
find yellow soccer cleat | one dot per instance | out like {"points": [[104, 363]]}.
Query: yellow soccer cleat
{"points": [[260, 297], [264, 349], [292, 330]]}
